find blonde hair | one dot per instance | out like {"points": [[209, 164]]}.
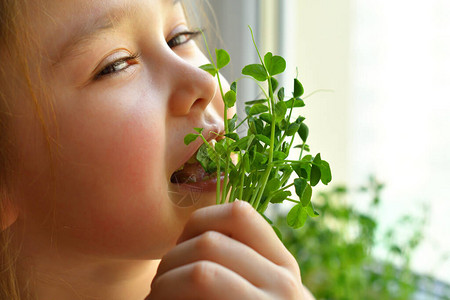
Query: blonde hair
{"points": [[8, 278], [16, 46]]}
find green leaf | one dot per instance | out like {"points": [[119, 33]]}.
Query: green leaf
{"points": [[280, 196], [190, 138], [206, 157], [252, 127], [272, 185], [230, 98], [303, 168], [232, 123], [315, 170], [307, 194], [294, 103], [303, 190], [274, 64], [315, 175], [281, 94], [305, 171], [256, 71], [280, 111], [278, 155], [298, 88], [267, 130], [258, 160], [303, 132], [263, 139], [232, 135], [317, 159], [274, 83], [268, 60], [257, 101], [233, 86], [300, 185], [209, 68], [278, 65], [266, 117], [255, 126], [283, 125], [292, 129], [299, 119], [297, 167], [242, 143], [310, 211], [257, 109], [212, 154], [297, 216], [259, 126], [199, 130], [307, 158], [223, 58], [326, 172], [220, 147]]}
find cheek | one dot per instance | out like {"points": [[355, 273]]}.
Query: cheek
{"points": [[120, 149], [114, 194], [111, 185]]}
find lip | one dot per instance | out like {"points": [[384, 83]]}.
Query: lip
{"points": [[208, 185]]}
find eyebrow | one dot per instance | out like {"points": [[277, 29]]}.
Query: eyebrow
{"points": [[88, 31]]}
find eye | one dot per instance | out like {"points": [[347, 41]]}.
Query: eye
{"points": [[182, 38], [117, 66]]}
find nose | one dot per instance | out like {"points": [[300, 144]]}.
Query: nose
{"points": [[192, 88]]}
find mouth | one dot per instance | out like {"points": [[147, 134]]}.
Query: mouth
{"points": [[190, 182], [192, 176]]}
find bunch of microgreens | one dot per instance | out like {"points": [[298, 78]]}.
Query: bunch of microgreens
{"points": [[263, 169]]}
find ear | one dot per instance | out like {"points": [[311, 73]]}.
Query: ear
{"points": [[8, 213]]}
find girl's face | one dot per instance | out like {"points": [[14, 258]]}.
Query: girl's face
{"points": [[125, 85]]}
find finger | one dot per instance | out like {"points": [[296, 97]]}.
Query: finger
{"points": [[203, 280], [218, 248], [239, 221]]}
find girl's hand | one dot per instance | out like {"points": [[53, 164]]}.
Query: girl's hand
{"points": [[228, 252]]}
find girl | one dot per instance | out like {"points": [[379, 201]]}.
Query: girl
{"points": [[97, 97]]}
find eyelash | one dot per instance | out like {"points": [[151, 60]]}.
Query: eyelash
{"points": [[110, 69], [189, 35]]}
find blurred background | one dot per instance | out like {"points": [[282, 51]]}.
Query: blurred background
{"points": [[381, 113]]}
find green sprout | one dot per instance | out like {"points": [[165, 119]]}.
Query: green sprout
{"points": [[264, 171]]}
